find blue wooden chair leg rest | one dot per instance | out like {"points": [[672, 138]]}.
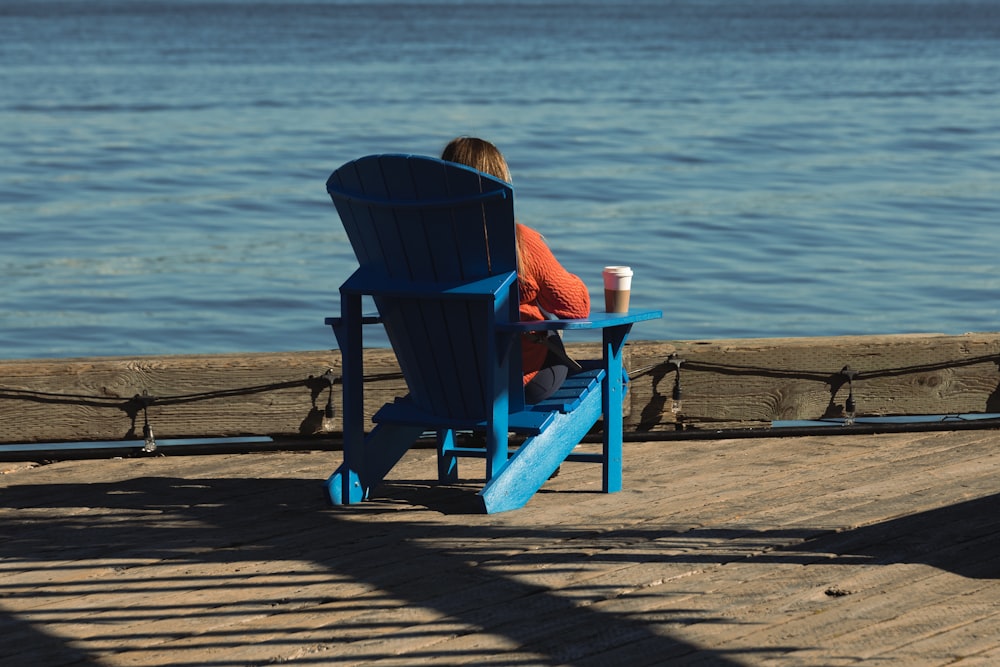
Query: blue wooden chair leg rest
{"points": [[538, 457]]}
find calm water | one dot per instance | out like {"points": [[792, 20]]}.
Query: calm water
{"points": [[768, 167]]}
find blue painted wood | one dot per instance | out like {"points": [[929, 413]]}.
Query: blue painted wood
{"points": [[612, 394], [403, 411], [595, 321], [497, 381], [573, 391], [538, 457], [345, 486], [384, 446], [365, 319], [448, 453], [353, 482], [436, 248]]}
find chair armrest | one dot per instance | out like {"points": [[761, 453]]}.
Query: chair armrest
{"points": [[487, 288], [373, 318], [595, 321]]}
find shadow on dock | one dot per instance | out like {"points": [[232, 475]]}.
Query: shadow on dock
{"points": [[466, 575]]}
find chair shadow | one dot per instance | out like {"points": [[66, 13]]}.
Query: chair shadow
{"points": [[232, 522], [963, 538]]}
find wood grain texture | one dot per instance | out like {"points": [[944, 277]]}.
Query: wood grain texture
{"points": [[764, 380], [725, 383], [820, 550]]}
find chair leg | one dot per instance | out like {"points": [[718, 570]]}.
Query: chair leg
{"points": [[612, 392], [343, 487], [447, 462], [383, 448]]}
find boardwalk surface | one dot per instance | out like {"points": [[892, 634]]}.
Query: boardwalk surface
{"points": [[873, 549]]}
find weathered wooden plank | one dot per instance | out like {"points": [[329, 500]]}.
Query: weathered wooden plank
{"points": [[282, 394], [718, 552], [737, 383], [757, 381]]}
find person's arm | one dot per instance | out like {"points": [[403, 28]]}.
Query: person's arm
{"points": [[559, 292]]}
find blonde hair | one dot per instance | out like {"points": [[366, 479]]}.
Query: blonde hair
{"points": [[487, 158], [478, 154]]}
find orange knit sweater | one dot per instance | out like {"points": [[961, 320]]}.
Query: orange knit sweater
{"points": [[545, 285]]}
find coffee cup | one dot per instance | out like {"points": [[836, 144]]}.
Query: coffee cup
{"points": [[617, 288]]}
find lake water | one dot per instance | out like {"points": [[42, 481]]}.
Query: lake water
{"points": [[768, 167]]}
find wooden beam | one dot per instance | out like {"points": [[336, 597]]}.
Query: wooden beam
{"points": [[182, 396], [754, 382], [723, 383]]}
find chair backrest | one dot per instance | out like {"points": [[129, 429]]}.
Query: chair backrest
{"points": [[428, 236]]}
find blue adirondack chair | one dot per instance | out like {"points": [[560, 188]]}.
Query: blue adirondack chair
{"points": [[435, 242]]}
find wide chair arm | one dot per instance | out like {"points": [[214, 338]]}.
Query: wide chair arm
{"points": [[594, 321]]}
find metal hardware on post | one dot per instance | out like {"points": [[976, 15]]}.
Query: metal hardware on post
{"points": [[676, 395], [850, 409]]}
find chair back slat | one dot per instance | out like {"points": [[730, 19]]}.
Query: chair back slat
{"points": [[434, 224], [407, 216]]}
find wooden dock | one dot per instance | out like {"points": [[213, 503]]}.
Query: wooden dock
{"points": [[819, 550], [725, 384]]}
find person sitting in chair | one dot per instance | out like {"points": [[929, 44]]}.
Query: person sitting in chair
{"points": [[545, 286]]}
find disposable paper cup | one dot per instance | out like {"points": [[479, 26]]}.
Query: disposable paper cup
{"points": [[617, 288]]}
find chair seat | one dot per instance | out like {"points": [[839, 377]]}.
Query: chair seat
{"points": [[530, 421], [572, 392]]}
